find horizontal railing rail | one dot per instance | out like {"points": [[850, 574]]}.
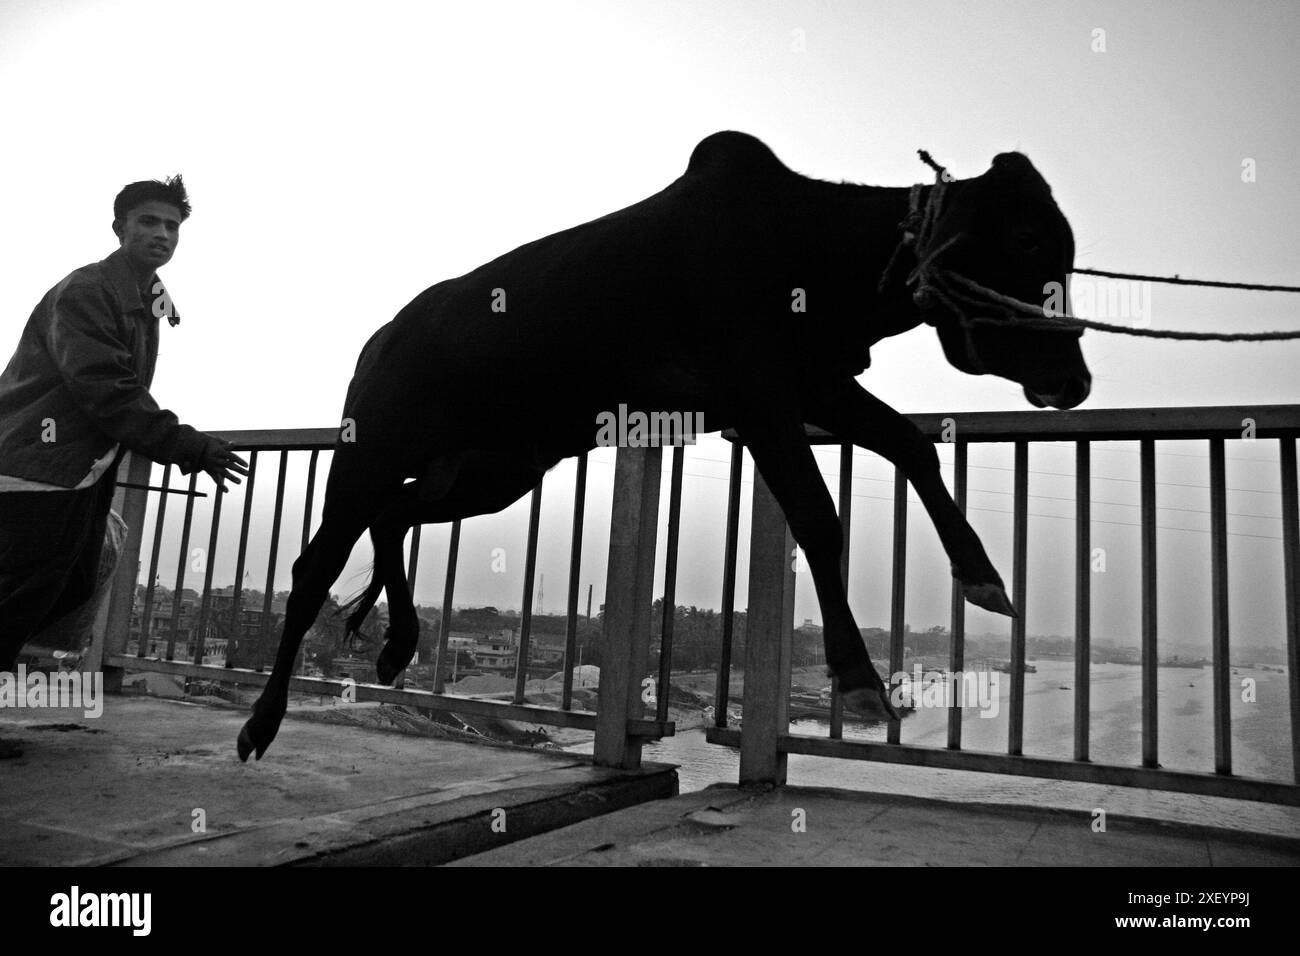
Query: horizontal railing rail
{"points": [[765, 739]]}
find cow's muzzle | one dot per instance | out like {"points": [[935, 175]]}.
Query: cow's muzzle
{"points": [[1069, 395]]}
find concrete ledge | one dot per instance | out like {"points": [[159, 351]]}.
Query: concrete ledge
{"points": [[424, 829], [465, 827]]}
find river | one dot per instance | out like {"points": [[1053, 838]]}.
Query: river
{"points": [[1260, 730]]}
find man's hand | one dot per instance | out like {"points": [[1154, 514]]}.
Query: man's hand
{"points": [[221, 463]]}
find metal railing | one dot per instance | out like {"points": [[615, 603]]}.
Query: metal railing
{"points": [[765, 740], [618, 722]]}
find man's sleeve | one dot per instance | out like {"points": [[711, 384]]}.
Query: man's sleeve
{"points": [[99, 370]]}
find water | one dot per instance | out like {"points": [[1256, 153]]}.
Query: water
{"points": [[1260, 731]]}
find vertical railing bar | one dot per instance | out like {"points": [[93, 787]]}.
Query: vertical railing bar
{"points": [[957, 650], [236, 636], [1219, 608], [444, 629], [722, 693], [1082, 598], [205, 606], [412, 566], [670, 584], [181, 563], [113, 638], [769, 627], [575, 569], [311, 492], [413, 561], [269, 596], [526, 617], [629, 595], [1020, 538], [146, 622], [897, 619], [846, 519], [1150, 748], [1291, 580], [306, 526]]}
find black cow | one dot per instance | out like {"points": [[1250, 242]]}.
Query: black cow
{"points": [[744, 291]]}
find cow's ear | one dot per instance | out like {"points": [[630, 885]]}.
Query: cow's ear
{"points": [[1016, 168]]}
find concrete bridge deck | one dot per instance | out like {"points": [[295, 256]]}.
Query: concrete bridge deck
{"points": [[808, 826], [131, 788]]}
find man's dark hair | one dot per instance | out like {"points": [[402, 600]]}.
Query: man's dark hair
{"points": [[170, 191]]}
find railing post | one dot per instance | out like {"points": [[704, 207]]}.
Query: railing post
{"points": [[113, 629], [769, 630], [625, 643]]}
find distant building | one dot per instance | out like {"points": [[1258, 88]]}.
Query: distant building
{"points": [[498, 652], [160, 629]]}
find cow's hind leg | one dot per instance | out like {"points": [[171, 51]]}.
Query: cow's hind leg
{"points": [[403, 631], [319, 565], [386, 536], [453, 487]]}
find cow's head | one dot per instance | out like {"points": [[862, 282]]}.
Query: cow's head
{"points": [[1010, 237]]}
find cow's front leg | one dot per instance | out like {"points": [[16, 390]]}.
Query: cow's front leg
{"points": [[775, 437], [853, 414]]}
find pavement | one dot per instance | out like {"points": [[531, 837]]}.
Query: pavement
{"points": [[804, 826], [157, 783]]}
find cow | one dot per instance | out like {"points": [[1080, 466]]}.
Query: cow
{"points": [[745, 292]]}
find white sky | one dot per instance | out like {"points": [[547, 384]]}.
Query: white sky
{"points": [[343, 157]]}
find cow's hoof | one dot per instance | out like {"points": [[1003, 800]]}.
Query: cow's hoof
{"points": [[259, 730], [863, 692], [991, 597], [399, 648], [870, 702], [245, 745]]}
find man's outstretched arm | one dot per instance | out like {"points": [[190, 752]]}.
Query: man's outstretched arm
{"points": [[98, 369]]}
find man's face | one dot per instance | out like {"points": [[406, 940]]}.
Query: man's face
{"points": [[149, 235]]}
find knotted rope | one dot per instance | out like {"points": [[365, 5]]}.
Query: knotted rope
{"points": [[958, 293]]}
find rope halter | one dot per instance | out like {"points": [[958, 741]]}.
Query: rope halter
{"points": [[957, 293], [940, 287]]}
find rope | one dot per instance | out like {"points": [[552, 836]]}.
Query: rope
{"points": [[1176, 280], [1068, 323], [934, 283]]}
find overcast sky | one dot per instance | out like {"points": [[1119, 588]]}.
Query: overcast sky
{"points": [[343, 157]]}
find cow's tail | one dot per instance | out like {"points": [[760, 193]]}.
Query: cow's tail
{"points": [[360, 605]]}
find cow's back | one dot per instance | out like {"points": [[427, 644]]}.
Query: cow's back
{"points": [[559, 322]]}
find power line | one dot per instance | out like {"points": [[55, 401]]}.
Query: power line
{"points": [[1069, 445], [1128, 524], [1048, 474]]}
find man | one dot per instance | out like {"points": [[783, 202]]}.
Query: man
{"points": [[74, 396]]}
